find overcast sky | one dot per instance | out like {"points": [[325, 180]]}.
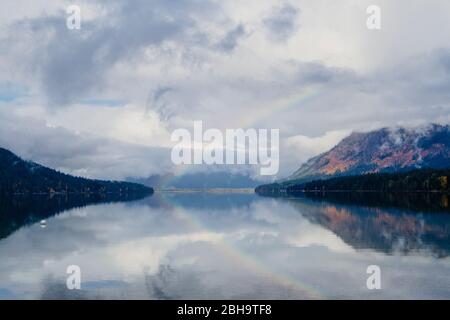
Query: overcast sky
{"points": [[102, 101]]}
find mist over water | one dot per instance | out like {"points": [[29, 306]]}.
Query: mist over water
{"points": [[223, 246]]}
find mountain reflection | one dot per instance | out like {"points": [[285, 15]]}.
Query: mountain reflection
{"points": [[389, 223], [20, 210]]}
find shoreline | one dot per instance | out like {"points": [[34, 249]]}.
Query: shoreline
{"points": [[207, 190]]}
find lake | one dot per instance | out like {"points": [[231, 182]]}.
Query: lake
{"points": [[225, 246]]}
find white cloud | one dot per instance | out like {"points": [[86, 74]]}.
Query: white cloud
{"points": [[315, 145]]}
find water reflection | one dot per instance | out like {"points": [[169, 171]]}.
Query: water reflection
{"points": [[391, 223], [194, 245], [20, 210], [413, 201]]}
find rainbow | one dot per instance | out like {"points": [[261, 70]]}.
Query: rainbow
{"points": [[293, 101], [244, 259]]}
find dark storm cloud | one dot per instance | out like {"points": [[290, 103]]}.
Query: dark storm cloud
{"points": [[230, 41], [281, 24], [158, 103], [74, 62]]}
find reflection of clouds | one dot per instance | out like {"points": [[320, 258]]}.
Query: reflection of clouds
{"points": [[264, 248], [133, 256], [298, 232], [319, 236]]}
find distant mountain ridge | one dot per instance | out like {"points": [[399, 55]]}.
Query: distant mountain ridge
{"points": [[383, 150], [20, 176], [199, 180]]}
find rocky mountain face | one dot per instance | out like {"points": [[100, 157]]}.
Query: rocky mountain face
{"points": [[384, 150]]}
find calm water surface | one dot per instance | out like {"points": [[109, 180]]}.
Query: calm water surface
{"points": [[222, 246]]}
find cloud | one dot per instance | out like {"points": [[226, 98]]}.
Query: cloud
{"points": [[159, 102], [305, 147], [230, 41], [316, 145], [138, 70], [71, 63], [80, 154], [282, 22]]}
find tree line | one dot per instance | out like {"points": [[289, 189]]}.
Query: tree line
{"points": [[428, 180]]}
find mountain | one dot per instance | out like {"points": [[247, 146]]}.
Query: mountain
{"points": [[387, 150], [384, 150], [200, 180], [20, 176]]}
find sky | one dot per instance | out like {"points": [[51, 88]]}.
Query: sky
{"points": [[102, 101]]}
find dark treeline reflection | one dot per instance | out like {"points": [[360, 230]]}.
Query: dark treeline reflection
{"points": [[390, 223], [415, 201], [20, 210]]}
